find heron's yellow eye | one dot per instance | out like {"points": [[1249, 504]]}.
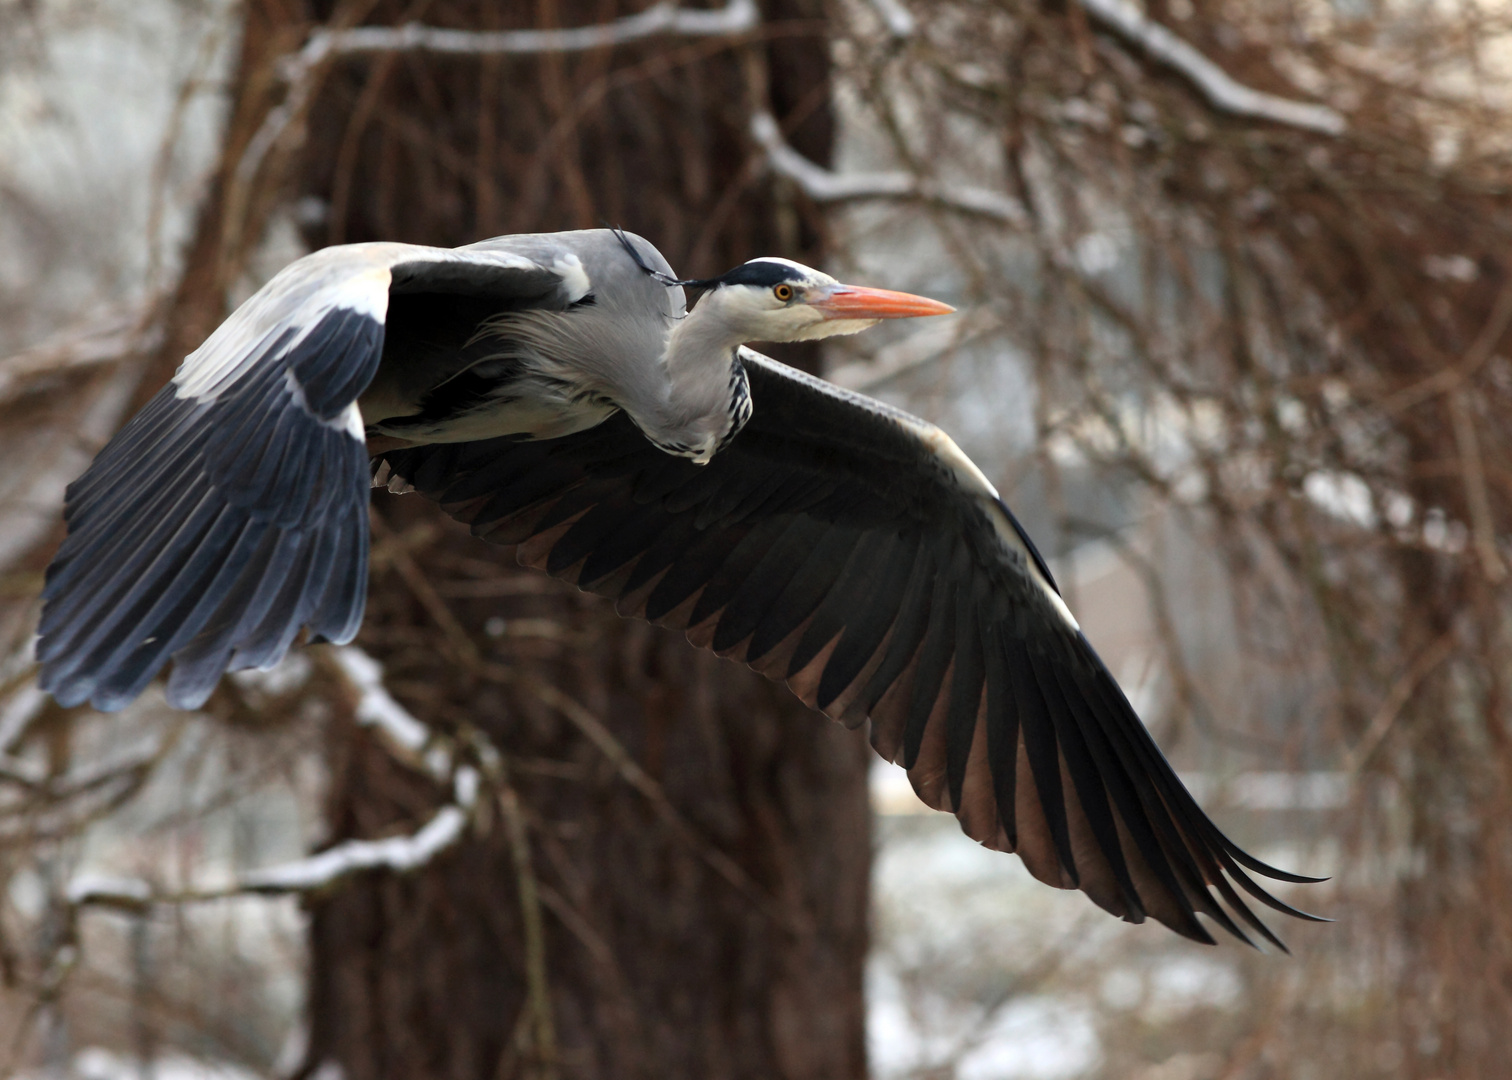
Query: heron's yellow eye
{"points": [[783, 293]]}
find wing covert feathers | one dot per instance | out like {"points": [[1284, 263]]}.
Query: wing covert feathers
{"points": [[232, 511], [836, 546], [213, 528]]}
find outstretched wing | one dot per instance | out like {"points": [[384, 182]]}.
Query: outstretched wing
{"points": [[855, 552], [232, 510]]}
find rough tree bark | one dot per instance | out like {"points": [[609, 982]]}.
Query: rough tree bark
{"points": [[712, 922]]}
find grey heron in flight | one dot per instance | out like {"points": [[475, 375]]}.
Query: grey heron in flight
{"points": [[554, 392]]}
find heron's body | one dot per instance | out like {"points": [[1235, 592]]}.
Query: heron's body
{"points": [[457, 368], [555, 392]]}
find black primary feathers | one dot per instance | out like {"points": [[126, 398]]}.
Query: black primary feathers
{"points": [[231, 512], [211, 531], [828, 546]]}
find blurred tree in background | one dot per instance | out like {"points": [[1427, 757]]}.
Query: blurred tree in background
{"points": [[658, 965], [1235, 302]]}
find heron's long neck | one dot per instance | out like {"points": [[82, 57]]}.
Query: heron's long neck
{"points": [[700, 349], [702, 341], [702, 385]]}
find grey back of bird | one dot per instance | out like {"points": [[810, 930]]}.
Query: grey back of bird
{"points": [[553, 361]]}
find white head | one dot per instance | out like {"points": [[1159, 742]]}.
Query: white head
{"points": [[771, 299], [703, 400]]}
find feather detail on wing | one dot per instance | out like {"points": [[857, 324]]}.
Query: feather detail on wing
{"points": [[854, 552], [231, 512]]}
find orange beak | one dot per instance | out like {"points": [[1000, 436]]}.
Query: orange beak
{"points": [[855, 302]]}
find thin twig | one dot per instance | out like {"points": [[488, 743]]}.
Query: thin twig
{"points": [[301, 70], [1446, 379], [825, 186], [1472, 469], [537, 986], [1396, 699], [192, 86], [465, 649], [632, 774], [578, 926]]}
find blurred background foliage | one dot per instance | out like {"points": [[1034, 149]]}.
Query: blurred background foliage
{"points": [[1239, 360]]}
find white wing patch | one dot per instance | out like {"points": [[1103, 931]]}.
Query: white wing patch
{"points": [[575, 283], [351, 420], [296, 299]]}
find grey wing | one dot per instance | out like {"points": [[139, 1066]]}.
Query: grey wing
{"points": [[232, 510], [856, 553]]}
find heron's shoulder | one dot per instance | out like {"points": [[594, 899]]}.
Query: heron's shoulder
{"points": [[898, 436], [592, 262], [879, 415], [497, 266]]}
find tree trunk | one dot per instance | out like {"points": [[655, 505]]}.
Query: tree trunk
{"points": [[699, 908]]}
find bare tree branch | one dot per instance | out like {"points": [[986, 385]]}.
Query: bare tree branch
{"points": [[412, 740], [375, 707], [1472, 466], [1223, 93], [536, 979], [825, 186], [1448, 378], [631, 772], [300, 70], [1396, 699], [665, 19], [110, 336]]}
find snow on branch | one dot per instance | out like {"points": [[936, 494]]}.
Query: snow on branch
{"points": [[398, 853], [377, 708], [299, 70], [1122, 18], [736, 17], [898, 19], [318, 872], [412, 741], [118, 892], [823, 185]]}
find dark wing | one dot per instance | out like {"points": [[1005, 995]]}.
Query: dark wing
{"points": [[232, 510], [855, 552]]}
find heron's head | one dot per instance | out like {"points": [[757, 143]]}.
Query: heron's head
{"points": [[772, 299]]}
